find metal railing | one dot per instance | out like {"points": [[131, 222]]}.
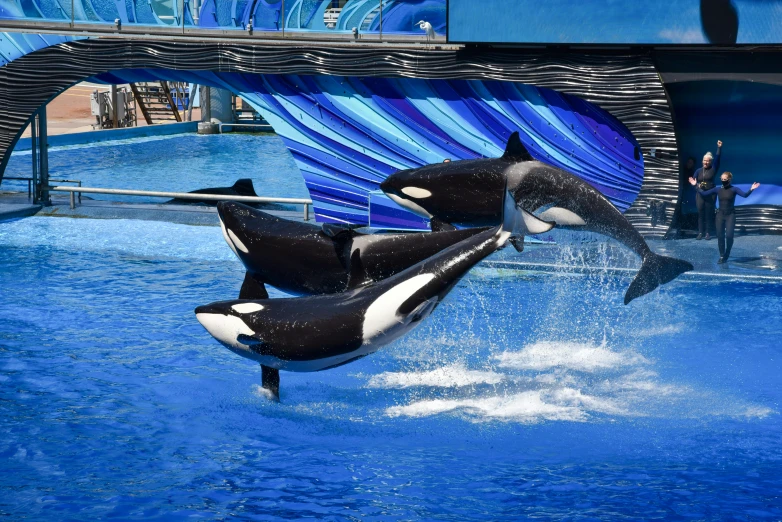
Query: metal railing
{"points": [[262, 126], [30, 183], [180, 195]]}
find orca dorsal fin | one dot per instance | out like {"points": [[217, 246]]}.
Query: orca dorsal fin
{"points": [[244, 187], [515, 149], [357, 276]]}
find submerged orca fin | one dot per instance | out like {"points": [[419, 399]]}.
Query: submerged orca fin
{"points": [[252, 288], [440, 226], [357, 275], [656, 270], [270, 381], [515, 150], [518, 243]]}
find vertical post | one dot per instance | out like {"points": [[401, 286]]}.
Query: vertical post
{"points": [[44, 141], [381, 19], [114, 117], [34, 154], [73, 11], [73, 200], [283, 18], [206, 103], [306, 212]]}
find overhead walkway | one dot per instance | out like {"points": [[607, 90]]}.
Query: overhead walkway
{"points": [[315, 18]]}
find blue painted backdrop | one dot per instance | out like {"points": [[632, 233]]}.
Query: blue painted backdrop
{"points": [[348, 134]]}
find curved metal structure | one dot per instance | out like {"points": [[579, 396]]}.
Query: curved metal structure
{"points": [[625, 86]]}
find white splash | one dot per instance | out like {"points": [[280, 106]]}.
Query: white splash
{"points": [[527, 407], [581, 357], [669, 329], [446, 377]]}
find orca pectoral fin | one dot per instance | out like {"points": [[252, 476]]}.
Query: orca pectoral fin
{"points": [[656, 270], [252, 288], [562, 217], [534, 225], [515, 149], [518, 222], [518, 243], [248, 340], [440, 226], [357, 276], [270, 382]]}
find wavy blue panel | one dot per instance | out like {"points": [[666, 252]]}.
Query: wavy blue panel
{"points": [[348, 134]]}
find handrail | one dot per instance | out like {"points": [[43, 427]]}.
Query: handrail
{"points": [[182, 195], [147, 31], [30, 183]]}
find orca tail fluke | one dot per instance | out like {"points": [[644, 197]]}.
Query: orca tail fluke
{"points": [[270, 382], [656, 270]]}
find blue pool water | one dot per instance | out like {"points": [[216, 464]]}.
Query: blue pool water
{"points": [[179, 163], [524, 395]]}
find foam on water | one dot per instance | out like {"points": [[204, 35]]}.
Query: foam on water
{"points": [[560, 381], [576, 356], [455, 375]]}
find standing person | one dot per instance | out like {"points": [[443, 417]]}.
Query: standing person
{"points": [[704, 176], [726, 216]]}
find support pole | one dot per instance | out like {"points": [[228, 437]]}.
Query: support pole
{"points": [[114, 116], [34, 154], [46, 199], [206, 102], [190, 102], [306, 212]]}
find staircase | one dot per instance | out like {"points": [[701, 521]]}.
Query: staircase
{"points": [[161, 102]]}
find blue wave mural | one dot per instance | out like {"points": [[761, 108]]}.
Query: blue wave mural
{"points": [[348, 134]]}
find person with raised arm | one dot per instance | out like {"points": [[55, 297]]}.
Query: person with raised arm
{"points": [[704, 177], [726, 215]]}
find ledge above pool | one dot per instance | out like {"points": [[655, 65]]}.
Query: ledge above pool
{"points": [[80, 138]]}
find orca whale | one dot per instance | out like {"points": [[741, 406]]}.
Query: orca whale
{"points": [[304, 259], [315, 333], [242, 187], [470, 193]]}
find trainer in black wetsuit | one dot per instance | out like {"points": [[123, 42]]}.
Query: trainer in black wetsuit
{"points": [[704, 178], [726, 215]]}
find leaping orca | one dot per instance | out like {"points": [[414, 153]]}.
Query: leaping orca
{"points": [[309, 334], [470, 193], [304, 259]]}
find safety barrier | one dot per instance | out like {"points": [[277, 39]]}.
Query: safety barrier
{"points": [[181, 195]]}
